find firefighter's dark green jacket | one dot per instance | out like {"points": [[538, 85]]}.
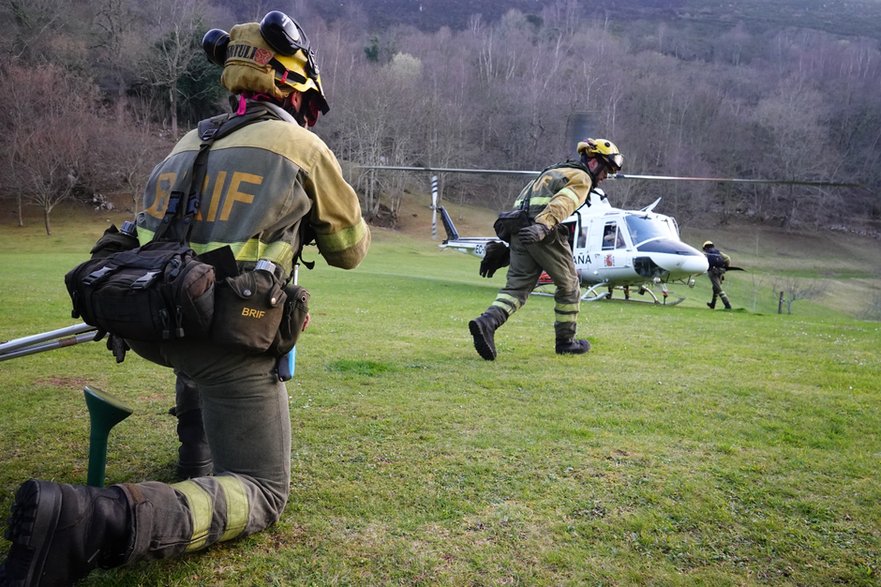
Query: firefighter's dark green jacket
{"points": [[556, 193], [263, 181]]}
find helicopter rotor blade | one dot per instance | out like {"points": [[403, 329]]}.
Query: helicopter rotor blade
{"points": [[836, 184], [448, 170], [619, 176]]}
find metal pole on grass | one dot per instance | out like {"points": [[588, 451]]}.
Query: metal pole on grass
{"points": [[44, 341]]}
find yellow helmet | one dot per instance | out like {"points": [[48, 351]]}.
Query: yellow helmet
{"points": [[272, 57], [707, 244], [294, 73], [294, 52], [602, 149]]}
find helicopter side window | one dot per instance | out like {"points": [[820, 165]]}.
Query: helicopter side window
{"points": [[612, 239]]}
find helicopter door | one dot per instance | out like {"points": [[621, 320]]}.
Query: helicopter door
{"points": [[612, 248], [613, 237]]}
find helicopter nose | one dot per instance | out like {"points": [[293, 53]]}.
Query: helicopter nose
{"points": [[694, 264], [675, 257]]}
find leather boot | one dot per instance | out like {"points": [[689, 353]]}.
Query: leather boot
{"points": [[712, 305], [572, 347], [194, 455], [566, 343], [726, 302], [60, 533], [483, 329]]}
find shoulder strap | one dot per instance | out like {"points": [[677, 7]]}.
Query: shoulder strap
{"points": [[571, 163], [184, 204], [524, 203]]}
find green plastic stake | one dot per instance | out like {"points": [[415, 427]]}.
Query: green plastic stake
{"points": [[105, 412]]}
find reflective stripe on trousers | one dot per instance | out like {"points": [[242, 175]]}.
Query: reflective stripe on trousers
{"points": [[527, 263]]}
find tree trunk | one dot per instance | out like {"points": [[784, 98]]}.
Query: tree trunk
{"points": [[172, 104], [46, 223]]}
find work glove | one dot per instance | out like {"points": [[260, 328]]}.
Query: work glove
{"points": [[497, 255], [534, 233], [117, 346]]}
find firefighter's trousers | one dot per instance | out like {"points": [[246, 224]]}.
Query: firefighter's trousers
{"points": [[553, 255], [247, 423]]}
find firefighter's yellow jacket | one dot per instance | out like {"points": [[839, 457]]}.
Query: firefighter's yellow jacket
{"points": [[263, 182], [556, 193]]}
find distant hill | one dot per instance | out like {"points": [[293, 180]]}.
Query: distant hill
{"points": [[842, 17]]}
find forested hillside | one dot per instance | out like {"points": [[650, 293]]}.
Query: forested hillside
{"points": [[95, 92], [843, 17]]}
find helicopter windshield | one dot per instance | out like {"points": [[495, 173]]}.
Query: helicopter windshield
{"points": [[643, 228]]}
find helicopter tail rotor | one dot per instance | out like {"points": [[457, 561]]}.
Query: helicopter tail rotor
{"points": [[434, 198]]}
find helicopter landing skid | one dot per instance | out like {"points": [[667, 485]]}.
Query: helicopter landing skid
{"points": [[592, 295]]}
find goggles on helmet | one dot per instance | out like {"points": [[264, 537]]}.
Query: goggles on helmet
{"points": [[613, 162]]}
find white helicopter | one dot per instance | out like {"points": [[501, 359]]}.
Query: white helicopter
{"points": [[613, 249]]}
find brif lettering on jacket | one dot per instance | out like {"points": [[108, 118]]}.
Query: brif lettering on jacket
{"points": [[221, 193]]}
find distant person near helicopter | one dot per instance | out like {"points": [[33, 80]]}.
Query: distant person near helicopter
{"points": [[719, 264], [543, 245]]}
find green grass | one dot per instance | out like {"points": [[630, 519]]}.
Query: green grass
{"points": [[688, 448]]}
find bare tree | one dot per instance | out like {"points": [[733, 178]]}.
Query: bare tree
{"points": [[119, 46], [28, 23], [175, 27], [49, 134], [793, 289]]}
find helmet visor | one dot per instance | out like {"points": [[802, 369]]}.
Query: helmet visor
{"points": [[614, 162]]}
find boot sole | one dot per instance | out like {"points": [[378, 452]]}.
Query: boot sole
{"points": [[35, 514], [480, 345], [578, 351]]}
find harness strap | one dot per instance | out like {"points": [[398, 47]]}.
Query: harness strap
{"points": [[177, 223]]}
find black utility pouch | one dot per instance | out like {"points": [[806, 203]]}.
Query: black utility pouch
{"points": [[509, 223], [160, 291], [248, 310], [296, 308]]}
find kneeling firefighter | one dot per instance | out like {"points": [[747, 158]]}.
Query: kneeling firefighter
{"points": [[543, 245], [266, 184]]}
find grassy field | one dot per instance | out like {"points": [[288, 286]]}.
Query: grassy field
{"points": [[688, 448]]}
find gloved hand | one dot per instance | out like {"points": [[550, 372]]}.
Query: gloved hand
{"points": [[534, 233], [497, 255], [117, 346]]}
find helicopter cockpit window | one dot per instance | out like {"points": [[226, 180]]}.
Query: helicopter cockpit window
{"points": [[643, 228], [612, 238]]}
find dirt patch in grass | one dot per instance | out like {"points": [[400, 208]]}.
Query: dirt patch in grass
{"points": [[63, 382]]}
